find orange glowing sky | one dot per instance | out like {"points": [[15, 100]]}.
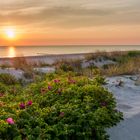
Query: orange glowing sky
{"points": [[43, 22]]}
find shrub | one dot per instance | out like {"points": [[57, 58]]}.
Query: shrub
{"points": [[8, 79], [134, 53], [65, 107], [66, 67], [3, 88], [69, 65], [28, 75]]}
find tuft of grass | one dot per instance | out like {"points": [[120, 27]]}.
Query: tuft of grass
{"points": [[8, 79], [21, 63], [132, 66], [4, 66], [127, 62], [134, 53], [106, 55], [69, 65]]}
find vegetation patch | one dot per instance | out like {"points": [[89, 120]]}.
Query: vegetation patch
{"points": [[61, 107], [8, 79]]}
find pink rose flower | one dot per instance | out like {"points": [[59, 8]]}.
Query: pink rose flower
{"points": [[29, 103], [22, 106], [71, 81], [49, 87], [10, 121], [56, 81]]}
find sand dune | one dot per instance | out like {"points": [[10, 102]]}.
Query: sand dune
{"points": [[128, 101]]}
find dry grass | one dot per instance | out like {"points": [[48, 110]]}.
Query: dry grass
{"points": [[4, 66], [69, 65], [109, 55], [127, 62], [132, 66], [21, 63]]}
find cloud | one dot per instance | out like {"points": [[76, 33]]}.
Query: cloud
{"points": [[69, 13]]}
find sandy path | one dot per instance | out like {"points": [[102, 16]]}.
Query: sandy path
{"points": [[128, 101]]}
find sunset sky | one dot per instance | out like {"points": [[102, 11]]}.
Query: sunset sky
{"points": [[43, 22]]}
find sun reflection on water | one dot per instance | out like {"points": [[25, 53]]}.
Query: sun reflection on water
{"points": [[11, 51]]}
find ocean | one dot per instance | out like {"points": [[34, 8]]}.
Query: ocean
{"points": [[13, 51]]}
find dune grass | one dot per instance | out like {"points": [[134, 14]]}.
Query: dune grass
{"points": [[132, 66], [126, 63]]}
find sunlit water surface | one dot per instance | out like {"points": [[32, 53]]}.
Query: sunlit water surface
{"points": [[12, 51]]}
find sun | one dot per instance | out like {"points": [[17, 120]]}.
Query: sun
{"points": [[10, 33]]}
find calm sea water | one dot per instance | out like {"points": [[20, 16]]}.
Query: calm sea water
{"points": [[13, 51]]}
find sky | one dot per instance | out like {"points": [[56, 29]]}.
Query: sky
{"points": [[55, 22]]}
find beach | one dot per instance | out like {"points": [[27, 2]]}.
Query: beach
{"points": [[48, 59], [128, 101], [127, 93], [70, 70]]}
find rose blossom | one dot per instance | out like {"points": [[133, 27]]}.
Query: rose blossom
{"points": [[49, 87], [56, 81], [10, 121], [29, 103], [71, 81], [22, 106]]}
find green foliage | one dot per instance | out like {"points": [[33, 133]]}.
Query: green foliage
{"points": [[28, 74], [66, 67], [69, 65], [65, 107], [134, 53], [8, 79], [3, 88]]}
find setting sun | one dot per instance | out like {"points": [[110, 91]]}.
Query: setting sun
{"points": [[10, 33]]}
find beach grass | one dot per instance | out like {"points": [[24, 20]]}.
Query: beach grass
{"points": [[125, 62], [132, 66]]}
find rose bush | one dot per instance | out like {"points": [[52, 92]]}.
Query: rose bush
{"points": [[64, 107]]}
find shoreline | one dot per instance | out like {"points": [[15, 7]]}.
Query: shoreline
{"points": [[52, 58], [48, 59]]}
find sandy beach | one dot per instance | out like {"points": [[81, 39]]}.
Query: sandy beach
{"points": [[48, 59], [127, 95]]}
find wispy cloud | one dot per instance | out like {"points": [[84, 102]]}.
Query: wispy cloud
{"points": [[65, 13]]}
